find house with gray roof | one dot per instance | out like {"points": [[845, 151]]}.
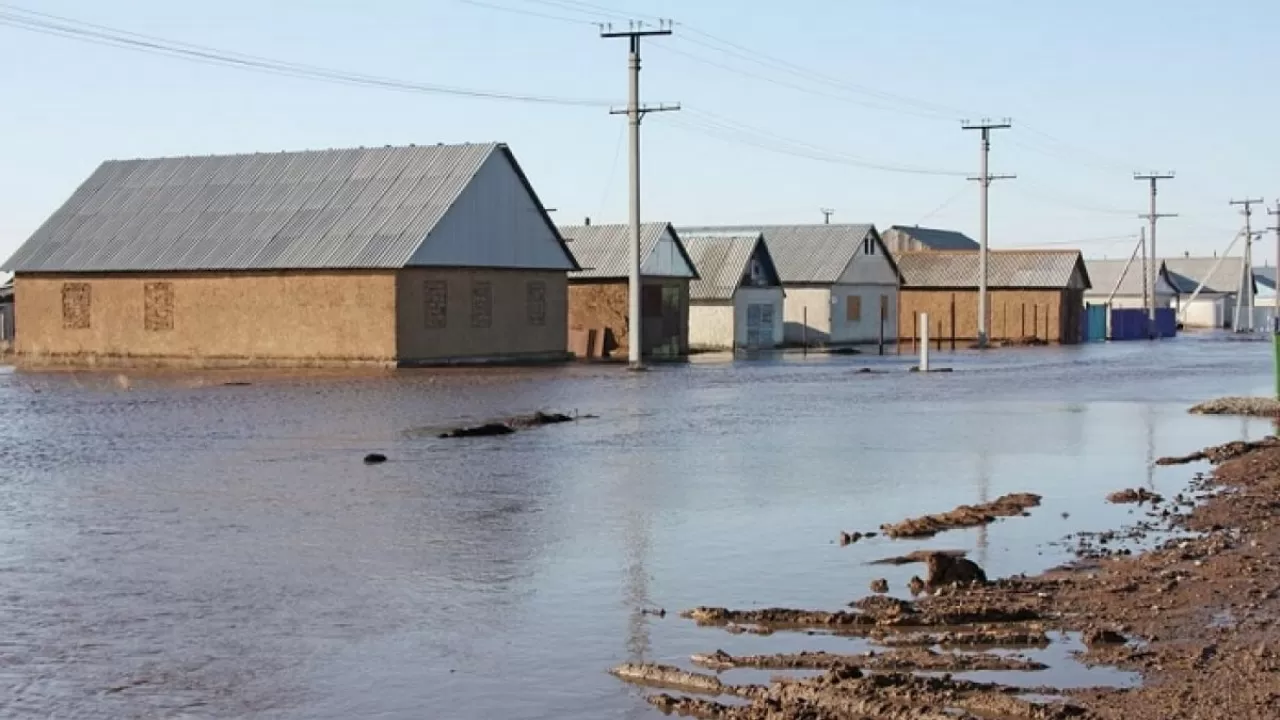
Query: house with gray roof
{"points": [[909, 238], [737, 300], [599, 291], [1208, 289], [1032, 294], [388, 256], [1120, 284], [841, 283]]}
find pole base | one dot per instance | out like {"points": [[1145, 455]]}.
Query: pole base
{"points": [[637, 366]]}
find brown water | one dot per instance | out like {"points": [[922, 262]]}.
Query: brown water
{"points": [[174, 547]]}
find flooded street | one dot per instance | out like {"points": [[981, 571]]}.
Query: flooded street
{"points": [[171, 546]]}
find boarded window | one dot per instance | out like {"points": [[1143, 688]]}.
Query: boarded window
{"points": [[853, 308], [481, 304], [435, 299], [884, 306], [536, 302], [157, 306], [76, 306]]}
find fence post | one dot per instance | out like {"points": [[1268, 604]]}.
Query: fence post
{"points": [[804, 331], [882, 311], [1023, 334], [924, 342], [953, 322]]}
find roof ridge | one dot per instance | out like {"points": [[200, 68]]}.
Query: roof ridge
{"points": [[305, 151]]}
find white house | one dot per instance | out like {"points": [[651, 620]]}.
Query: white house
{"points": [[841, 284], [1219, 282], [1124, 288], [738, 300]]}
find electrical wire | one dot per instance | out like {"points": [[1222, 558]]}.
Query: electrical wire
{"points": [[69, 28], [527, 13], [945, 203]]}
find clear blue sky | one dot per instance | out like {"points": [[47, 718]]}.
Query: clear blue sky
{"points": [[1095, 90]]}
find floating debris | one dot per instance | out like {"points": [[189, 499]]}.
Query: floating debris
{"points": [[512, 424], [374, 459], [1135, 495]]}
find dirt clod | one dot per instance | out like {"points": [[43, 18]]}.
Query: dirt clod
{"points": [[880, 585], [1134, 495]]}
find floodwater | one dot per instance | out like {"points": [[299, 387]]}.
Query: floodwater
{"points": [[171, 546]]}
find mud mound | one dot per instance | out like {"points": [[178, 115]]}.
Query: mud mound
{"points": [[909, 660], [919, 556], [947, 569], [1218, 454], [1249, 406], [963, 517], [1135, 495]]}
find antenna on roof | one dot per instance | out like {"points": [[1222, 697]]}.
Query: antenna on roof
{"points": [[586, 220], [826, 215]]}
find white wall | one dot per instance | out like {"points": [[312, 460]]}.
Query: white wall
{"points": [[711, 326], [1206, 312], [752, 296], [815, 300], [866, 328], [1128, 301]]}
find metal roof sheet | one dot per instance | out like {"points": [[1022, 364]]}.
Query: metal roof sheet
{"points": [[803, 253], [721, 260], [1006, 269], [601, 250], [1188, 273], [931, 238], [366, 208], [1104, 274]]}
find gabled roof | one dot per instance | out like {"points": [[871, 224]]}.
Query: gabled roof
{"points": [[806, 254], [931, 238], [722, 261], [357, 208], [1043, 269], [1265, 277], [1188, 273], [602, 251], [1104, 274]]}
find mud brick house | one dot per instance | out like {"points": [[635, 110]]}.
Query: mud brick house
{"points": [[382, 257], [907, 238], [1032, 293], [737, 300], [840, 280], [599, 300]]}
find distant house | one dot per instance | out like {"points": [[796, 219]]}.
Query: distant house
{"points": [[737, 302], [1125, 289], [6, 311], [373, 256], [599, 300], [1219, 282], [1032, 293], [841, 283], [909, 238]]}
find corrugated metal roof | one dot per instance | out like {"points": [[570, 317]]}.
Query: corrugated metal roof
{"points": [[358, 208], [1105, 273], [1188, 273], [1265, 277], [803, 253], [721, 260], [1006, 269], [931, 238], [601, 250]]}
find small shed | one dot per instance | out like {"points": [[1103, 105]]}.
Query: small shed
{"points": [[841, 282], [737, 302], [1126, 288], [1219, 282], [908, 238], [599, 293], [1032, 294]]}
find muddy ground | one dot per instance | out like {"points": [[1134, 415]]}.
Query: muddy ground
{"points": [[1198, 617]]}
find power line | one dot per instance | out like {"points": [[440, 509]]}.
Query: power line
{"points": [[527, 13], [70, 28], [945, 204]]}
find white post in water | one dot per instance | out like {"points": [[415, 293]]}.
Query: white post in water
{"points": [[924, 342]]}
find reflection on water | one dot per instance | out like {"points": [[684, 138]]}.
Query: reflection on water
{"points": [[174, 545]]}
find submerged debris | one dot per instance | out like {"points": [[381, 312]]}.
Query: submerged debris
{"points": [[1249, 406], [919, 556], [1135, 495], [963, 516], [374, 459], [849, 538], [512, 424]]}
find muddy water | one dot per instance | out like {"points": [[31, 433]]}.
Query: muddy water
{"points": [[174, 547]]}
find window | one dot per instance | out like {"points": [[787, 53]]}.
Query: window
{"points": [[481, 304], [435, 294], [853, 308], [757, 273], [157, 306], [536, 302], [868, 245], [76, 306]]}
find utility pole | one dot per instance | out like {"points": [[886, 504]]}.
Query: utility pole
{"points": [[1246, 280], [1146, 292], [1275, 314], [1149, 279], [826, 215], [985, 178], [635, 112]]}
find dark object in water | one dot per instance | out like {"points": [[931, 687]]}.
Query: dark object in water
{"points": [[479, 431], [880, 585], [374, 459], [237, 383], [947, 570], [538, 418]]}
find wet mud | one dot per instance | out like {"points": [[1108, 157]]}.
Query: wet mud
{"points": [[1245, 406], [1131, 496], [965, 516], [511, 425], [908, 660]]}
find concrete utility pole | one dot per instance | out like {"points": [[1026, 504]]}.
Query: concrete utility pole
{"points": [[635, 112], [826, 215], [1149, 279], [1148, 294], [1246, 279], [985, 178], [1275, 283]]}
